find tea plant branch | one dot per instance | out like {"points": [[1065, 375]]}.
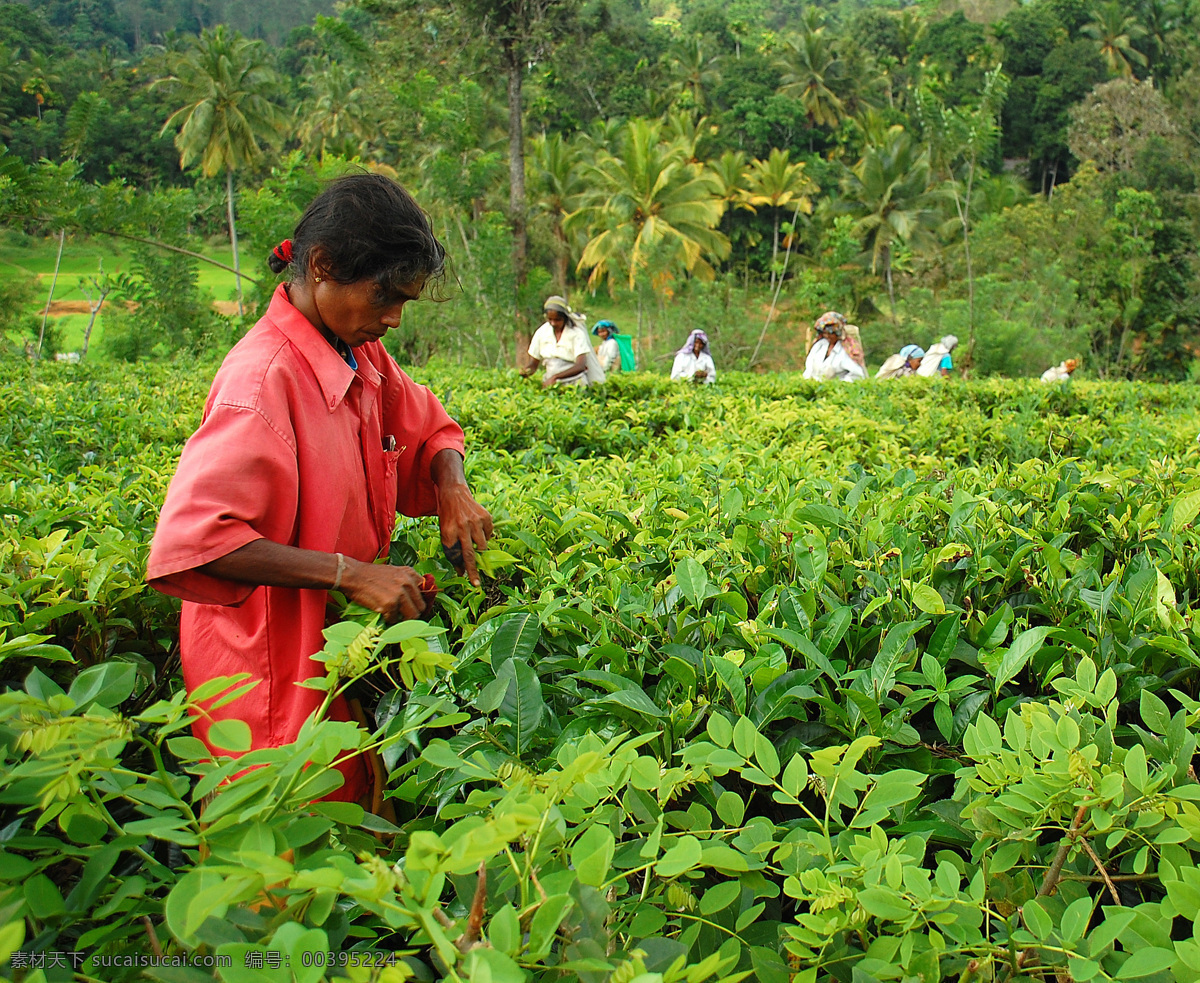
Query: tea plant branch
{"points": [[1112, 888], [516, 868], [1054, 871], [950, 751], [530, 856], [704, 921], [1017, 960], [471, 935], [1014, 958], [627, 873], [163, 775], [155, 945], [113, 825]]}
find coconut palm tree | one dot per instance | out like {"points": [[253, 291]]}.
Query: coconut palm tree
{"points": [[689, 133], [732, 174], [779, 184], [959, 139], [224, 83], [731, 171], [694, 70], [650, 213], [41, 78], [861, 83], [1114, 32], [809, 68], [888, 192], [103, 64], [603, 135], [1170, 27], [558, 178], [334, 116]]}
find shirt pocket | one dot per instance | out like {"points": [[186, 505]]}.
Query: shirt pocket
{"points": [[384, 497], [391, 460]]}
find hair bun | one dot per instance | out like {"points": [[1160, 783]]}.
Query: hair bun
{"points": [[281, 256]]}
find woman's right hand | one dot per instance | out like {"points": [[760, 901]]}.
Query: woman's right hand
{"points": [[394, 592]]}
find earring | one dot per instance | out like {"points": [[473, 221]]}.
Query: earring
{"points": [[316, 279]]}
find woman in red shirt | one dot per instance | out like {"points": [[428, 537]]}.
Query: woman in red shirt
{"points": [[312, 439]]}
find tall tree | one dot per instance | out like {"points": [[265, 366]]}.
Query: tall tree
{"points": [[41, 78], [1114, 32], [559, 178], [524, 30], [959, 139], [809, 67], [732, 173], [1116, 120], [778, 183], [334, 117], [648, 205], [888, 193], [694, 70], [227, 117]]}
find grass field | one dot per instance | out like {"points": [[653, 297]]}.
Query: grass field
{"points": [[82, 258]]}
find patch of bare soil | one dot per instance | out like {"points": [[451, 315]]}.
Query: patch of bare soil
{"points": [[60, 307]]}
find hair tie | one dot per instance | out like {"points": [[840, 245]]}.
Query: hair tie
{"points": [[284, 250]]}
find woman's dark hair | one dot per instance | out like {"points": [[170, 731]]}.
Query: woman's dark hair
{"points": [[366, 227]]}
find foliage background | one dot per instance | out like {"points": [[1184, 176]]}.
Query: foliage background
{"points": [[892, 161]]}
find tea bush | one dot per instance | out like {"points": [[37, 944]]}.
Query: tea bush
{"points": [[767, 680]]}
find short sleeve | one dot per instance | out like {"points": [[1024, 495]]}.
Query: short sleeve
{"points": [[580, 344], [946, 363], [535, 343], [237, 481]]}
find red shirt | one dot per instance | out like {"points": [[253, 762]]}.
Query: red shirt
{"points": [[290, 449]]}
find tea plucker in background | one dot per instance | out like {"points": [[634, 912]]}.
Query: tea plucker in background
{"points": [[835, 354], [1060, 372], [937, 360], [609, 352], [561, 342], [904, 363], [312, 439], [693, 362]]}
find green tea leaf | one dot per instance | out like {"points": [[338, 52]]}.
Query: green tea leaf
{"points": [[928, 600], [1146, 962], [693, 581], [523, 705], [682, 856], [1005, 664], [516, 638], [230, 735]]}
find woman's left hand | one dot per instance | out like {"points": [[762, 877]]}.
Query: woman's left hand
{"points": [[464, 522], [548, 382]]}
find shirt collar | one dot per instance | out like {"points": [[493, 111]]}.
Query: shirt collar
{"points": [[334, 375]]}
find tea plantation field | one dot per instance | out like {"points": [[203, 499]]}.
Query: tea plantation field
{"points": [[768, 681]]}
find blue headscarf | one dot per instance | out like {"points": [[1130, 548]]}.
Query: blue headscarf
{"points": [[912, 351], [612, 328]]}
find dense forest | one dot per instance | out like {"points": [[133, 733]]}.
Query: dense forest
{"points": [[1021, 175]]}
